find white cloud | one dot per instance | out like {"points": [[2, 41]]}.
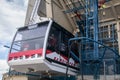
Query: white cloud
{"points": [[3, 68], [3, 52], [12, 16]]}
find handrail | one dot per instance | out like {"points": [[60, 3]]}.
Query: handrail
{"points": [[81, 38]]}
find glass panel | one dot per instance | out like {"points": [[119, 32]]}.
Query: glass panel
{"points": [[53, 39], [31, 34], [58, 45], [29, 39]]}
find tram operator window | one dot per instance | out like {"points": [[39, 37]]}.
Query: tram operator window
{"points": [[52, 42], [53, 39]]}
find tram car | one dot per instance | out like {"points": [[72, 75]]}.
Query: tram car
{"points": [[42, 47]]}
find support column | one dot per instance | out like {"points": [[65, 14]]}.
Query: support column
{"points": [[95, 21], [109, 31], [49, 11], [118, 32]]}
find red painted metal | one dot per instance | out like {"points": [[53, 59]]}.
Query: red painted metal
{"points": [[27, 54]]}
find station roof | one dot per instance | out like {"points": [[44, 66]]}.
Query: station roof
{"points": [[109, 11]]}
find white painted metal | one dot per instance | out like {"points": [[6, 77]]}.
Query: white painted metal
{"points": [[34, 18], [46, 38], [38, 64]]}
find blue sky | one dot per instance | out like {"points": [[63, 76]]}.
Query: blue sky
{"points": [[12, 16]]}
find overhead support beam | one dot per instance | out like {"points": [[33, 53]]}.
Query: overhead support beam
{"points": [[116, 4], [49, 10], [114, 11], [74, 9], [107, 20], [29, 11], [68, 15], [69, 3]]}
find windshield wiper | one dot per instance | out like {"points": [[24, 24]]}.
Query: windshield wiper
{"points": [[12, 48]]}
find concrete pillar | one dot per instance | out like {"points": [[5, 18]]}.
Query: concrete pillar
{"points": [[118, 32], [49, 11], [109, 31]]}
